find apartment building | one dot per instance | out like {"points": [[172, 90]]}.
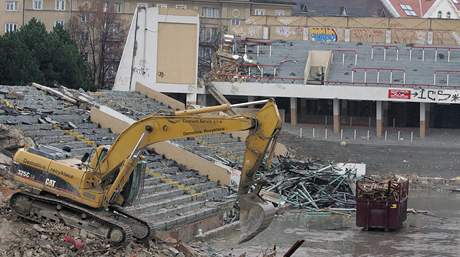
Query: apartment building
{"points": [[215, 14], [441, 9]]}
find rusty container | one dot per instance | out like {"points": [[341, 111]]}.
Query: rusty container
{"points": [[388, 211]]}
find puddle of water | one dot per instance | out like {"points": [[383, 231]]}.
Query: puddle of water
{"points": [[337, 235]]}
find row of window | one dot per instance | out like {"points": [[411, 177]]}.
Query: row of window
{"points": [[36, 5], [210, 12], [448, 15], [11, 27], [59, 5], [115, 28], [410, 12]]}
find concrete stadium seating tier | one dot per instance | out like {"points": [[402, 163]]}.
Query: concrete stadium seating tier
{"points": [[418, 62], [173, 195], [223, 148]]}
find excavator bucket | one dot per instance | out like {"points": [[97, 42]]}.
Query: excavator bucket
{"points": [[255, 216]]}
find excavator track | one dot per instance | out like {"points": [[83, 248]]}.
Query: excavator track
{"points": [[116, 226]]}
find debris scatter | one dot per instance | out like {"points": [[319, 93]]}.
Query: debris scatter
{"points": [[310, 184]]}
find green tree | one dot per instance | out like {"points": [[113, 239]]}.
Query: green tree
{"points": [[54, 54], [69, 68], [17, 64]]}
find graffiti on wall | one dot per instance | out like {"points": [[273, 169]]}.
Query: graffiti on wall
{"points": [[286, 32], [323, 34], [425, 95], [368, 35], [409, 36], [437, 95], [446, 38]]}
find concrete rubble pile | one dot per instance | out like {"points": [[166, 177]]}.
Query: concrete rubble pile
{"points": [[20, 238], [12, 139], [312, 185]]}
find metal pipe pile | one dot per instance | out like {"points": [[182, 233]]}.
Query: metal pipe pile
{"points": [[312, 185]]}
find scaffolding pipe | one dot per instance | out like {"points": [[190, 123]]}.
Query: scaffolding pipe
{"points": [[249, 103]]}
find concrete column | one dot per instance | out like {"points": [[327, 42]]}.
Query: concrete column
{"points": [[378, 117], [190, 99], [293, 112], [336, 112], [201, 100], [422, 120]]}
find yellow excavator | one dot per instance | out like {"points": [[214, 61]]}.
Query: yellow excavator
{"points": [[90, 193]]}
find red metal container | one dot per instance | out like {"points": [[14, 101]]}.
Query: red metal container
{"points": [[387, 214]]}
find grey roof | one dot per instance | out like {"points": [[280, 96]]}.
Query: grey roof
{"points": [[353, 8], [289, 59]]}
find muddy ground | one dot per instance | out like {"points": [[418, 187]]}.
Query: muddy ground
{"points": [[436, 234], [325, 235], [381, 159]]}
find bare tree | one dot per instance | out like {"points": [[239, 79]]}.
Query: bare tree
{"points": [[98, 30]]}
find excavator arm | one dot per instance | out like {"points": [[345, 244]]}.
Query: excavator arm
{"points": [[255, 214]]}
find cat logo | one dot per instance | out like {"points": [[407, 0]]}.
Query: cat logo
{"points": [[50, 182]]}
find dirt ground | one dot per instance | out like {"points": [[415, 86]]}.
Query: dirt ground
{"points": [[381, 159]]}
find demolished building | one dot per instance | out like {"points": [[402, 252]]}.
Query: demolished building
{"points": [[174, 196]]}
